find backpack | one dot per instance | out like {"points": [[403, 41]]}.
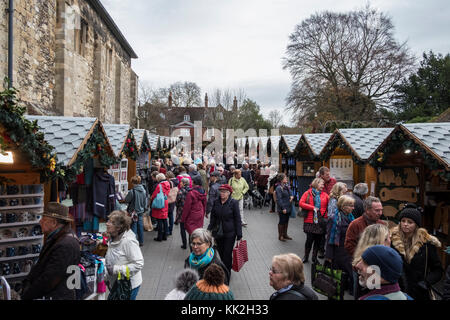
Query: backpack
{"points": [[172, 193], [160, 200]]}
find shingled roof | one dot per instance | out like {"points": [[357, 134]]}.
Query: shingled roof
{"points": [[139, 135], [291, 140], [65, 134], [362, 141], [117, 134], [316, 141], [435, 136]]}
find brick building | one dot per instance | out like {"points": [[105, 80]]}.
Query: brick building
{"points": [[69, 59]]}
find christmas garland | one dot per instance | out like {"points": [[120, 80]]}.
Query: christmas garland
{"points": [[301, 156], [398, 141], [145, 147], [338, 142], [130, 148], [96, 146], [23, 134]]}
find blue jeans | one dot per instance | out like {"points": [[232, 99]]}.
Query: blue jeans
{"points": [[138, 229], [134, 293]]}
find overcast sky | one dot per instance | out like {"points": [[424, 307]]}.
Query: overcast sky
{"points": [[232, 44]]}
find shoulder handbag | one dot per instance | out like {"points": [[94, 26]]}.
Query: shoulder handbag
{"points": [[293, 210], [327, 281], [160, 199], [121, 289], [172, 193]]}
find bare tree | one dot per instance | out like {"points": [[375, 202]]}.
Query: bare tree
{"points": [[344, 63], [185, 94], [275, 118]]}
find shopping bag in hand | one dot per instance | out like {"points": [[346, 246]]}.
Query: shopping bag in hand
{"points": [[121, 289], [240, 255]]}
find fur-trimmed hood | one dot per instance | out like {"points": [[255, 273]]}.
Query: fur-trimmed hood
{"points": [[423, 238]]}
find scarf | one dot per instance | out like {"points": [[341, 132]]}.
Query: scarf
{"points": [[316, 195], [196, 262], [282, 290], [335, 234]]}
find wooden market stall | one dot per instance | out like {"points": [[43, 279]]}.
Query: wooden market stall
{"points": [[307, 158], [125, 148], [26, 162], [413, 165], [287, 145], [144, 149], [347, 152], [85, 154]]}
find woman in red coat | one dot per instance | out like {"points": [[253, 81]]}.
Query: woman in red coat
{"points": [[194, 206], [315, 202], [161, 214]]}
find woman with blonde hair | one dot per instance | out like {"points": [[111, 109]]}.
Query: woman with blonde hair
{"points": [[288, 278], [338, 190], [373, 235], [419, 250]]}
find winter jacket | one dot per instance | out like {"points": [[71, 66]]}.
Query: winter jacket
{"points": [[216, 260], [181, 198], [194, 209], [330, 251], [446, 295], [359, 206], [48, 277], [103, 195], [204, 179], [310, 205], [240, 187], [247, 175], [137, 199], [283, 196], [332, 206], [354, 231], [213, 195], [230, 216], [261, 180], [161, 213], [329, 185], [222, 179], [203, 291], [122, 253], [414, 270], [301, 292]]}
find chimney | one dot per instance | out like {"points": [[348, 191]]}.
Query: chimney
{"points": [[170, 99], [206, 100], [235, 106]]}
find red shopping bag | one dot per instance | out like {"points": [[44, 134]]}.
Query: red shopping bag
{"points": [[240, 256]]}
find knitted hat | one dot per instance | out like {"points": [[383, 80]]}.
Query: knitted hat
{"points": [[212, 286], [412, 212], [385, 258], [215, 174]]}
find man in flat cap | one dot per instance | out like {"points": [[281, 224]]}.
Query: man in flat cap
{"points": [[48, 277]]}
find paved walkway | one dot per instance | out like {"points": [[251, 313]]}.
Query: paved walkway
{"points": [[164, 259]]}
